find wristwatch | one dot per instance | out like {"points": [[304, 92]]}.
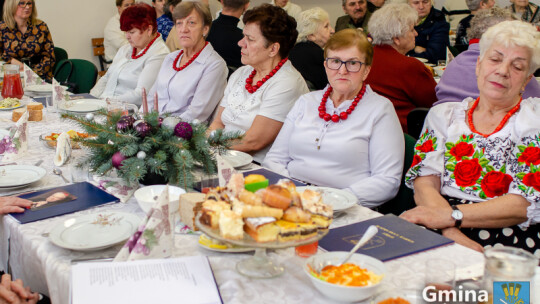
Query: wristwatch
{"points": [[457, 215]]}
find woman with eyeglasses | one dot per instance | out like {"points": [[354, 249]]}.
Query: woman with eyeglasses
{"points": [[26, 39], [345, 136]]}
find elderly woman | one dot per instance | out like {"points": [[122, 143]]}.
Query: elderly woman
{"points": [[369, 142], [307, 55], [475, 172], [459, 79], [136, 64], [191, 81], [528, 11], [260, 94], [26, 39], [404, 80], [432, 30]]}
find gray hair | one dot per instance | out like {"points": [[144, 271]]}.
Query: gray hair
{"points": [[513, 33], [309, 22], [485, 19], [474, 5], [390, 21]]}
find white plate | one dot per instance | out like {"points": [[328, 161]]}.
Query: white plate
{"points": [[20, 175], [237, 159], [39, 88], [83, 105], [9, 109], [337, 198], [424, 60], [90, 232], [230, 248]]}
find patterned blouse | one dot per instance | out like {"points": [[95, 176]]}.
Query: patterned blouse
{"points": [[35, 45], [476, 168]]}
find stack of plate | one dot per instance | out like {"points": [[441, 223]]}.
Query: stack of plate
{"points": [[17, 176], [83, 105], [38, 90]]}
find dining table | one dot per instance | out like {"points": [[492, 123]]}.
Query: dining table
{"points": [[28, 254]]}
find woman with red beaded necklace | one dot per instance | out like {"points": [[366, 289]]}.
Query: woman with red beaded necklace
{"points": [[345, 136], [136, 64], [191, 81], [476, 172], [260, 94]]}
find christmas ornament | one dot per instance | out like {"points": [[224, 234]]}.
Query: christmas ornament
{"points": [[90, 116], [129, 118], [160, 121], [117, 160], [123, 124], [143, 128], [170, 122], [183, 130], [141, 155]]}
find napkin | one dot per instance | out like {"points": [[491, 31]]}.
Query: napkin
{"points": [[154, 239], [60, 95], [30, 77], [63, 149], [14, 145], [115, 186], [225, 170]]}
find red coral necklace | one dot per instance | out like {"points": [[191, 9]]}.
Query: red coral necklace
{"points": [[342, 115], [175, 63], [249, 81], [134, 53], [501, 124]]}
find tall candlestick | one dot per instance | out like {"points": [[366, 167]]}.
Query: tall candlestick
{"points": [[144, 102], [156, 102]]}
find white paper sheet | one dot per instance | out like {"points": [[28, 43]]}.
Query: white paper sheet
{"points": [[147, 281]]}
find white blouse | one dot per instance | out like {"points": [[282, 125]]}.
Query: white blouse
{"points": [[273, 100], [362, 154], [126, 77], [195, 91], [476, 168]]}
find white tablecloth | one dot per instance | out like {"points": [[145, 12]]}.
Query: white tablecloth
{"points": [[46, 268]]}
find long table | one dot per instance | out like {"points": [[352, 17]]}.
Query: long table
{"points": [[46, 267]]}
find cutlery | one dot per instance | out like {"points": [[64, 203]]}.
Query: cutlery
{"points": [[57, 171], [38, 162]]}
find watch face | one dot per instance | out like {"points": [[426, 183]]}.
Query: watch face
{"points": [[457, 215]]}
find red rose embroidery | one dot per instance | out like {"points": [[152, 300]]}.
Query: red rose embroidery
{"points": [[467, 172], [427, 146], [462, 149], [416, 160], [532, 180], [531, 155], [496, 183]]}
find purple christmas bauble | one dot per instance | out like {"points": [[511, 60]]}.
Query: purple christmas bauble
{"points": [[129, 118], [160, 121], [143, 128], [117, 160], [123, 124], [183, 130]]}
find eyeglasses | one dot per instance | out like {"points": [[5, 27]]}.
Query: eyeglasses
{"points": [[351, 65], [25, 4]]}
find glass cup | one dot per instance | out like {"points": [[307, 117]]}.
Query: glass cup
{"points": [[12, 85], [118, 106], [441, 62], [439, 275], [50, 104], [305, 251], [76, 174]]}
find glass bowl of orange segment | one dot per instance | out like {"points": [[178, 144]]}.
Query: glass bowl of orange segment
{"points": [[49, 139]]}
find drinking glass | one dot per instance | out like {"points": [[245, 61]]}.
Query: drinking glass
{"points": [[439, 275], [441, 62], [12, 86], [305, 251]]}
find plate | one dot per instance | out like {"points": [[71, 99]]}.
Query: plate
{"points": [[20, 175], [83, 105], [39, 88], [13, 108], [424, 60], [237, 159], [208, 243], [337, 198], [95, 231]]}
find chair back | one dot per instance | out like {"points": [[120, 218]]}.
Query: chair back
{"points": [[415, 121], [99, 51], [79, 72], [404, 199], [59, 54]]}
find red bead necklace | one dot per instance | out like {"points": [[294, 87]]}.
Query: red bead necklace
{"points": [[175, 63], [252, 88], [134, 53], [501, 124], [342, 115]]}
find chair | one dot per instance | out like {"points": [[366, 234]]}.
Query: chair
{"points": [[99, 50], [82, 73], [59, 54], [415, 121], [404, 199]]}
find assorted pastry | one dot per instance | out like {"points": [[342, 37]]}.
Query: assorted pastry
{"points": [[275, 213]]}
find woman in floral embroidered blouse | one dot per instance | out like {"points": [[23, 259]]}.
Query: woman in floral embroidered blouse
{"points": [[26, 38], [477, 163]]}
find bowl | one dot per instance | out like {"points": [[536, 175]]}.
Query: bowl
{"points": [[340, 292], [50, 143], [439, 70], [147, 196]]}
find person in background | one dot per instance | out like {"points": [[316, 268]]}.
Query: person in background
{"points": [[307, 55], [224, 34], [136, 64], [113, 37], [292, 9], [432, 28], [260, 94], [172, 41], [357, 15], [527, 11], [406, 81], [190, 82], [26, 39], [349, 117], [462, 42], [373, 5], [11, 204], [164, 21], [159, 6], [455, 10], [459, 79]]}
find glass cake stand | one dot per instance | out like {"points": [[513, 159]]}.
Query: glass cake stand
{"points": [[259, 266]]}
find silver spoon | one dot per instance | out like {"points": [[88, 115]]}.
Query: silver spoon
{"points": [[57, 171], [370, 232]]}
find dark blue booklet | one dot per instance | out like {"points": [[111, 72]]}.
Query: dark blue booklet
{"points": [[396, 238], [272, 176], [62, 200]]}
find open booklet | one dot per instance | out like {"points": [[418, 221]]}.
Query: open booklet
{"points": [[186, 279]]}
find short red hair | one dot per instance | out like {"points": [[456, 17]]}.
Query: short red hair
{"points": [[139, 16]]}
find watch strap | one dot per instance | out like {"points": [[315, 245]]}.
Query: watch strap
{"points": [[457, 223]]}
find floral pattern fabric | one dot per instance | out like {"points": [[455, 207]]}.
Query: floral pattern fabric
{"points": [[35, 44]]}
